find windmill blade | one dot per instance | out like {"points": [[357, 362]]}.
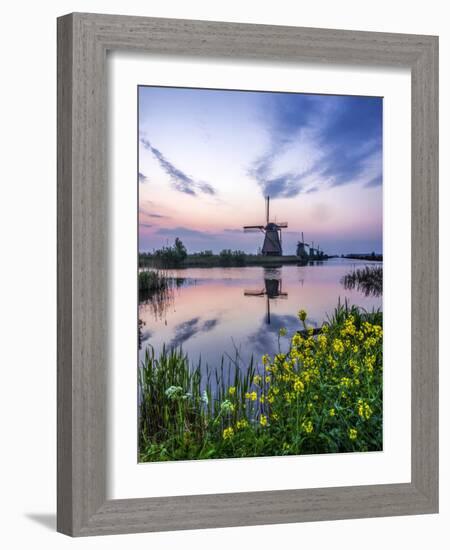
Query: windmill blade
{"points": [[282, 224], [253, 228], [254, 292]]}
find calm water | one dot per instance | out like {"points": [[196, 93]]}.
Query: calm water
{"points": [[214, 312]]}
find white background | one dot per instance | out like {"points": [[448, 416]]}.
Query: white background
{"points": [[28, 300], [127, 479]]}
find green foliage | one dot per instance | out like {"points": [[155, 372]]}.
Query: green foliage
{"points": [[203, 254], [166, 257], [323, 396], [229, 257]]}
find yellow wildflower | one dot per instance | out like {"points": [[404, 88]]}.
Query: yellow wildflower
{"points": [[338, 346], [364, 409], [307, 426], [257, 379], [370, 342], [263, 420], [332, 412], [353, 433], [369, 362], [322, 340], [299, 387], [302, 315], [241, 424], [232, 390], [251, 395], [297, 339], [228, 433]]}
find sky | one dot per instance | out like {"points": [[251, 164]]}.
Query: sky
{"points": [[208, 159]]}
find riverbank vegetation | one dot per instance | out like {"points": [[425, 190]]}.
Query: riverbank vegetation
{"points": [[176, 256], [323, 396], [167, 257], [153, 281], [368, 280], [372, 257]]}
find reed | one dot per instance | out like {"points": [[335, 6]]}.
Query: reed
{"points": [[152, 280], [368, 280]]}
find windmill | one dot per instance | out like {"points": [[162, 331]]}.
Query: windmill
{"points": [[271, 291], [301, 248], [272, 234]]}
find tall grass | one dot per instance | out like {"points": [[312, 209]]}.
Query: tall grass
{"points": [[182, 406], [368, 280], [324, 395], [150, 280]]}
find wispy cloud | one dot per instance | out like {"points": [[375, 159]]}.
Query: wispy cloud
{"points": [[375, 182], [325, 141], [144, 213], [180, 180], [183, 232], [156, 215]]}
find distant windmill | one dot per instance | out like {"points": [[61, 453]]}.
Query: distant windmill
{"points": [[272, 234], [301, 248]]}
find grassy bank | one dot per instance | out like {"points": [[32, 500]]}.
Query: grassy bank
{"points": [[366, 257], [324, 395], [225, 260]]}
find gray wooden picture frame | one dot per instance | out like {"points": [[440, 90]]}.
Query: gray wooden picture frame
{"points": [[83, 41]]}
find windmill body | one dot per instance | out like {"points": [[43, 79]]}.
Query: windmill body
{"points": [[272, 234]]}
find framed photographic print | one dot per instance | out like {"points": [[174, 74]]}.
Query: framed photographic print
{"points": [[245, 334]]}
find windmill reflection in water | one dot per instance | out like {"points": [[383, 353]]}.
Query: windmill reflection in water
{"points": [[272, 289]]}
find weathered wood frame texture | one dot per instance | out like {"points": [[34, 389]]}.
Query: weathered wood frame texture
{"points": [[83, 41]]}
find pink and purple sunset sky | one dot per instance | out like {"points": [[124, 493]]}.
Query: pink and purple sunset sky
{"points": [[207, 159]]}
